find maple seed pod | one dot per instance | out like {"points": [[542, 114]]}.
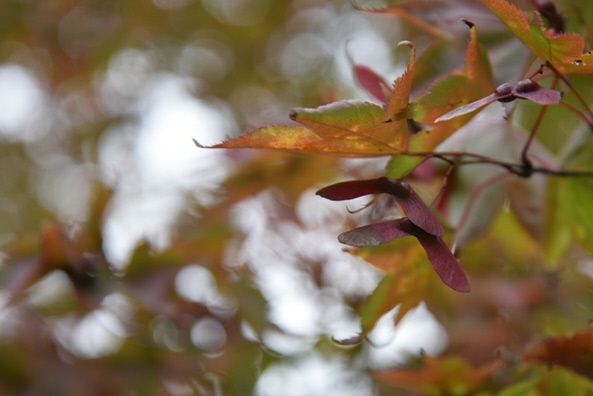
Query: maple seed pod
{"points": [[402, 192], [525, 86], [505, 92], [442, 260], [399, 188]]}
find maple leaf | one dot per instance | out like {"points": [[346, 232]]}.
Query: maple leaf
{"points": [[441, 376], [524, 89], [395, 101], [450, 91], [574, 352], [347, 128], [565, 51], [399, 100]]}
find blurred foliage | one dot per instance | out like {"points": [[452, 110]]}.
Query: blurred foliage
{"points": [[240, 287]]}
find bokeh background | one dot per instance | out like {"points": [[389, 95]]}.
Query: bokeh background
{"points": [[128, 266], [135, 262]]}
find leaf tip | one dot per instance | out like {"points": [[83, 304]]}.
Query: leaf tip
{"points": [[469, 23], [198, 144]]}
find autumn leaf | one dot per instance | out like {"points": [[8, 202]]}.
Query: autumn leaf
{"points": [[450, 91], [440, 376], [563, 50], [347, 128], [395, 100], [574, 352], [405, 284], [402, 86]]}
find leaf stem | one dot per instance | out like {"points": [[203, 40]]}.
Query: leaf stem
{"points": [[474, 196], [536, 125], [444, 186], [577, 111]]}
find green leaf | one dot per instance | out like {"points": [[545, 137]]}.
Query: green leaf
{"points": [[556, 381], [557, 231], [525, 388], [575, 203]]}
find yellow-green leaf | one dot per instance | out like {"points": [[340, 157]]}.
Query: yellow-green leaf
{"points": [[347, 128]]}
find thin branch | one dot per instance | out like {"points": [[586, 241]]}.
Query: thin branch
{"points": [[534, 128], [569, 85], [577, 111], [474, 196], [518, 169], [444, 186]]}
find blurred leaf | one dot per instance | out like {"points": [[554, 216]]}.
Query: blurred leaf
{"points": [[574, 352], [556, 381], [441, 376], [371, 82], [402, 10], [291, 174], [408, 274], [575, 204], [557, 233]]}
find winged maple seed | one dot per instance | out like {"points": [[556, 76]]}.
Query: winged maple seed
{"points": [[420, 223], [524, 89], [404, 195]]}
